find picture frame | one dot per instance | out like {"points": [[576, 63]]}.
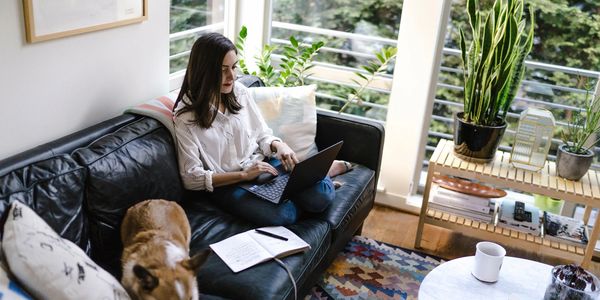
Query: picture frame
{"points": [[46, 20]]}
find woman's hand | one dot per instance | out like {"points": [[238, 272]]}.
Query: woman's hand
{"points": [[285, 154], [259, 168]]}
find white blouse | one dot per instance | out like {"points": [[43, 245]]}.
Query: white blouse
{"points": [[234, 142]]}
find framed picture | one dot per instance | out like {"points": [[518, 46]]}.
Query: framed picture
{"points": [[51, 19]]}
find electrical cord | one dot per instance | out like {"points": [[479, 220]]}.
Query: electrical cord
{"points": [[290, 276]]}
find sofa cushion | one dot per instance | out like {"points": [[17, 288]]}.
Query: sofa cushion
{"points": [[54, 189], [135, 163], [354, 196], [291, 113], [264, 281], [51, 267]]}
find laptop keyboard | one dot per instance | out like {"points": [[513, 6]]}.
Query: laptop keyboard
{"points": [[273, 189]]}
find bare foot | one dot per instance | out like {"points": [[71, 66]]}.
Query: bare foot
{"points": [[338, 167]]}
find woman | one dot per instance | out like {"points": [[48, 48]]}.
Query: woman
{"points": [[223, 140]]}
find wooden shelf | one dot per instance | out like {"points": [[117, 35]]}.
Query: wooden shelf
{"points": [[487, 231], [501, 173]]}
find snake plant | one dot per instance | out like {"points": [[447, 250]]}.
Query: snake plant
{"points": [[493, 63]]}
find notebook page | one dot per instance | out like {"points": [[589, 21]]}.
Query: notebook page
{"points": [[277, 247], [240, 252]]}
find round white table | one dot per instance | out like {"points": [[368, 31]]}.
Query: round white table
{"points": [[519, 279]]}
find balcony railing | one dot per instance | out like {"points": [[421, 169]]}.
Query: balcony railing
{"points": [[533, 91], [529, 85]]}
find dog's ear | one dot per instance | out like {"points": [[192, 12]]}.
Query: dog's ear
{"points": [[147, 280], [194, 263]]}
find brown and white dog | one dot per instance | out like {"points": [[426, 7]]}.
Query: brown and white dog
{"points": [[156, 263]]}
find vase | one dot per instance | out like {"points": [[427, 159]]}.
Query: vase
{"points": [[477, 143], [572, 166]]}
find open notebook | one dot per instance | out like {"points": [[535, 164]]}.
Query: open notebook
{"points": [[250, 248]]}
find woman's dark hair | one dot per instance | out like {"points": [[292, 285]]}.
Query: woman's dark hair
{"points": [[203, 77]]}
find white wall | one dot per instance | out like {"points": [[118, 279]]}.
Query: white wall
{"points": [[53, 88]]}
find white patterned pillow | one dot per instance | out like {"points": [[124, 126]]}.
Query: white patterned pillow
{"points": [[291, 113], [9, 288], [50, 267]]}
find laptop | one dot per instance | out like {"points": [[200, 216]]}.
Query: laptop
{"points": [[304, 174]]}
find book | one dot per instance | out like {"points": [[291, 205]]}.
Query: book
{"points": [[249, 248], [481, 201], [481, 217], [457, 201], [565, 229], [507, 220]]}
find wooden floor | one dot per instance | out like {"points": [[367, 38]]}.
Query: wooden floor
{"points": [[398, 228]]}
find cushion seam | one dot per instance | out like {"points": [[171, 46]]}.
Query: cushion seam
{"points": [[312, 257], [28, 188], [120, 146], [336, 226]]}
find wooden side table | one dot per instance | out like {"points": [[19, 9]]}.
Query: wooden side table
{"points": [[501, 173]]}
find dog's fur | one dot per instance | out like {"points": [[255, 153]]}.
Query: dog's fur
{"points": [[156, 263]]}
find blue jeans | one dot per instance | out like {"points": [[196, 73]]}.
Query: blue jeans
{"points": [[240, 202]]}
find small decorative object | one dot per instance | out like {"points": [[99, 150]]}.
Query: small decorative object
{"points": [[572, 282], [45, 20], [574, 157], [533, 139], [565, 230], [468, 187]]}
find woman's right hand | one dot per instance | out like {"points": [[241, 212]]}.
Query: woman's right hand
{"points": [[259, 168]]}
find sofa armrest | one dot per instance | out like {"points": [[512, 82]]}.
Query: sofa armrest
{"points": [[363, 138]]}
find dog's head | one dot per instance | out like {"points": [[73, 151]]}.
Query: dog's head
{"points": [[154, 281]]}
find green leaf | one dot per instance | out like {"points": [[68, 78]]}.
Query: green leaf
{"points": [[368, 69], [243, 32], [294, 41], [360, 75]]}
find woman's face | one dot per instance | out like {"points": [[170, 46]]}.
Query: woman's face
{"points": [[228, 72]]}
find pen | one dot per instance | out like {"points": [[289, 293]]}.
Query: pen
{"points": [[271, 234]]}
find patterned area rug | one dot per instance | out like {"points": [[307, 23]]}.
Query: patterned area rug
{"points": [[368, 269]]}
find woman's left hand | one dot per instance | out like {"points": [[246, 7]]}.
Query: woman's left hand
{"points": [[285, 154]]}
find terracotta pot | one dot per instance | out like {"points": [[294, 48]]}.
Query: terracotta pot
{"points": [[572, 166], [477, 143]]}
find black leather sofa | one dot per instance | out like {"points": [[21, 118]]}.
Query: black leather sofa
{"points": [[83, 183]]}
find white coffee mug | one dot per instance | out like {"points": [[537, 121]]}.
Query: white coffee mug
{"points": [[488, 261]]}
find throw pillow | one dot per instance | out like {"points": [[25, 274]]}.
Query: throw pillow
{"points": [[160, 108], [291, 113], [50, 267], [9, 288]]}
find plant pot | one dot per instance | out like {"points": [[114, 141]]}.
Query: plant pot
{"points": [[477, 143], [572, 166]]}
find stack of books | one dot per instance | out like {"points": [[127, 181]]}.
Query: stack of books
{"points": [[506, 218], [565, 230], [463, 205]]}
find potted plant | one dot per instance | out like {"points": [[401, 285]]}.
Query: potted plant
{"points": [[493, 67], [574, 156]]}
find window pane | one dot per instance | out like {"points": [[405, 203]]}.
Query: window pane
{"points": [[190, 15], [353, 31]]}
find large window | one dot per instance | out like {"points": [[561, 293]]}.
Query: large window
{"points": [[189, 19], [353, 30]]}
